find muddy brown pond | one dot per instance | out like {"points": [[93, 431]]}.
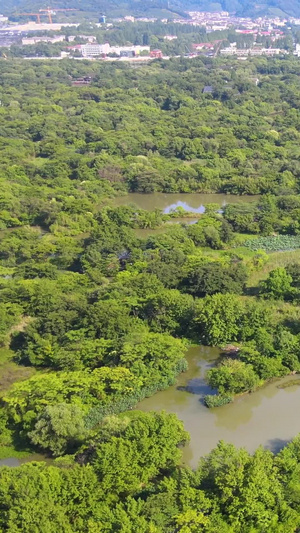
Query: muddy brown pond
{"points": [[267, 417], [191, 202], [14, 461]]}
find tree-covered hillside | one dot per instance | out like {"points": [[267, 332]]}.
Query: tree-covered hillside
{"points": [[111, 8], [245, 7], [154, 7]]}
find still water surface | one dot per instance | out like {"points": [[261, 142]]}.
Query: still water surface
{"points": [[268, 417], [14, 461], [192, 202]]}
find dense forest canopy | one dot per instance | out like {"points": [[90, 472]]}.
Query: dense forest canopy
{"points": [[99, 302], [241, 139]]}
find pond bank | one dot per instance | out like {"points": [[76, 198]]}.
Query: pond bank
{"points": [[266, 417], [18, 461]]}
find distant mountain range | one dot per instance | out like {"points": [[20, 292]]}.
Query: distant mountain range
{"points": [[148, 7], [251, 8]]}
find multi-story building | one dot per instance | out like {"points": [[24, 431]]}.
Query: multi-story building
{"points": [[266, 51], [203, 46], [135, 50], [94, 50], [244, 52], [156, 53], [35, 40], [297, 50], [88, 38]]}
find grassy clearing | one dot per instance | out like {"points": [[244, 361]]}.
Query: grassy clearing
{"points": [[8, 452], [276, 260], [285, 312], [10, 371]]}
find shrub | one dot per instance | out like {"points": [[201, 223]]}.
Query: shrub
{"points": [[233, 376], [216, 400]]}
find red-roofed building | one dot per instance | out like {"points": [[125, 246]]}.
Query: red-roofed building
{"points": [[156, 53], [75, 47], [203, 46], [247, 32]]}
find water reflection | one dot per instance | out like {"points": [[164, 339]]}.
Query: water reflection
{"points": [[16, 461], [192, 202], [197, 386], [10, 461], [184, 205]]}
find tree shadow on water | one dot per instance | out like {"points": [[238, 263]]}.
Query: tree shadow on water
{"points": [[196, 386], [275, 445], [199, 387]]}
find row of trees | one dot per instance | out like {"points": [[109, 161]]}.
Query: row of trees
{"points": [[129, 479]]}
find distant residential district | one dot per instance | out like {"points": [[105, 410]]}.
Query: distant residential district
{"points": [[48, 33]]}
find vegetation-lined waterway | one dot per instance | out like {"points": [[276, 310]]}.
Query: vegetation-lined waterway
{"points": [[266, 417], [192, 202]]}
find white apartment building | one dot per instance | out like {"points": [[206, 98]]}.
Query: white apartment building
{"points": [[297, 50], [266, 51], [94, 50], [88, 38], [127, 49], [233, 51], [52, 40]]}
